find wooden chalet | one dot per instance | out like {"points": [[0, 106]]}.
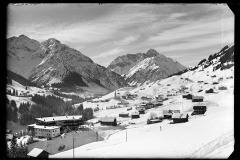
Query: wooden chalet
{"points": [[123, 114], [199, 109], [180, 117], [110, 121], [38, 153], [197, 99], [135, 115]]}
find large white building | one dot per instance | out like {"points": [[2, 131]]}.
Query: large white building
{"points": [[53, 126], [45, 131]]}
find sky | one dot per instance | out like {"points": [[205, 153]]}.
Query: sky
{"points": [[187, 33]]}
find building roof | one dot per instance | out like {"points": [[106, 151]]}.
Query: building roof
{"points": [[9, 136], [35, 152], [123, 113], [167, 112], [43, 127], [179, 115], [107, 119], [134, 113], [198, 97], [59, 118]]}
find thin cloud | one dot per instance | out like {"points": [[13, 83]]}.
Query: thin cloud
{"points": [[112, 52]]}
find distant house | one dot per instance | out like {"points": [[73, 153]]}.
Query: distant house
{"points": [[197, 99], [110, 121], [129, 108], [9, 131], [215, 83], [168, 84], [200, 81], [158, 103], [150, 121], [180, 117], [9, 137], [135, 115], [213, 76], [222, 88], [141, 111], [199, 109], [167, 113], [209, 91], [123, 114], [188, 96], [149, 105], [38, 153]]}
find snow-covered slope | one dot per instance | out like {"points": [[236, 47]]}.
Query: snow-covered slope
{"points": [[141, 67]]}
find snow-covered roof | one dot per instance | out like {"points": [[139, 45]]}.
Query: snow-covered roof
{"points": [[59, 118], [35, 152], [107, 119], [198, 97], [43, 127], [9, 136], [179, 115]]}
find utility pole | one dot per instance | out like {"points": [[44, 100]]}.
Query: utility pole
{"points": [[126, 136], [73, 147]]}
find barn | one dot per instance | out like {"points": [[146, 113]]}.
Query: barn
{"points": [[38, 153], [179, 117], [123, 114], [199, 109], [110, 121], [197, 99], [135, 115]]}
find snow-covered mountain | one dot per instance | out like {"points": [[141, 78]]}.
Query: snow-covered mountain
{"points": [[23, 55], [53, 63], [142, 67]]}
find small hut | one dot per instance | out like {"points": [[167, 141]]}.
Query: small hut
{"points": [[197, 99], [222, 88], [38, 153], [187, 96], [110, 121], [167, 114], [209, 91], [179, 117], [123, 114], [141, 111], [135, 115], [199, 109]]}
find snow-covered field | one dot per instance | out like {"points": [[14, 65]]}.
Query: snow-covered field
{"points": [[203, 136]]}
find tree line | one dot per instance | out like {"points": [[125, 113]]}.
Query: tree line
{"points": [[44, 107]]}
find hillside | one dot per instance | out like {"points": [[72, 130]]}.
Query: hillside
{"points": [[204, 136]]}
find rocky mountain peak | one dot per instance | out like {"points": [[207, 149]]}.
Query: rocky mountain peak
{"points": [[152, 53]]}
